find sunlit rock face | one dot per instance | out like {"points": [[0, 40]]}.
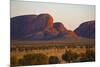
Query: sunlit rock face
{"points": [[43, 21], [63, 32]]}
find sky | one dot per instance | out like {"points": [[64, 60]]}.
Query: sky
{"points": [[71, 15]]}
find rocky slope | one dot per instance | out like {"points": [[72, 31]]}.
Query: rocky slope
{"points": [[86, 29]]}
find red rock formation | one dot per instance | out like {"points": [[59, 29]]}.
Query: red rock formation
{"points": [[86, 29], [38, 27]]}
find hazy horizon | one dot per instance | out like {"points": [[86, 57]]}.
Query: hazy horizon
{"points": [[70, 15]]}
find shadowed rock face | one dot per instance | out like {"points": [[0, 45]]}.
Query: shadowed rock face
{"points": [[22, 25], [86, 29], [28, 25], [59, 27]]}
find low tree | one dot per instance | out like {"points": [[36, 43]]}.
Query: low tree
{"points": [[70, 56], [54, 60]]}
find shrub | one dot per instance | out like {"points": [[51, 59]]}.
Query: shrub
{"points": [[70, 56], [88, 56], [14, 60], [54, 60], [34, 59]]}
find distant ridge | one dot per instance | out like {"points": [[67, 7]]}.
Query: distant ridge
{"points": [[40, 27]]}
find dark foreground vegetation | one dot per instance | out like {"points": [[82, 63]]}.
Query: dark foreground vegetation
{"points": [[41, 58]]}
